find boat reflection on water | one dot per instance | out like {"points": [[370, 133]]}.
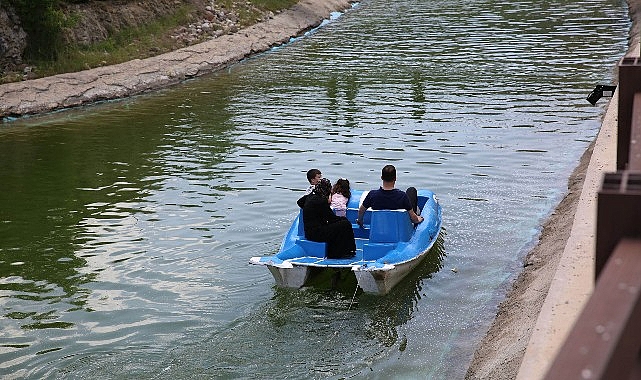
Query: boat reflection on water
{"points": [[342, 329], [380, 315], [398, 306]]}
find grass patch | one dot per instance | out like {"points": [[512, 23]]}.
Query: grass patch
{"points": [[140, 42], [143, 41], [249, 12], [274, 5]]}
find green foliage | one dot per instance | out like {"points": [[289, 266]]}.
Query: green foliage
{"points": [[43, 22], [250, 11], [124, 45]]}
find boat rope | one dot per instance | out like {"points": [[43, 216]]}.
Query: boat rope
{"points": [[348, 309], [353, 297]]}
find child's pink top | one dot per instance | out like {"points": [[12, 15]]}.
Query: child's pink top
{"points": [[339, 204]]}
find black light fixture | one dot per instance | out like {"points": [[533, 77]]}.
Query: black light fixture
{"points": [[599, 91]]}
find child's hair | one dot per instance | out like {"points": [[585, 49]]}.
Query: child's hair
{"points": [[312, 173], [342, 187]]}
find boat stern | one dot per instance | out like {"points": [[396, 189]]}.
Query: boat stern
{"points": [[285, 274], [375, 279]]}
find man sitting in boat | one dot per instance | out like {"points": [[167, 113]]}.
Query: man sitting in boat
{"points": [[387, 197], [322, 225]]}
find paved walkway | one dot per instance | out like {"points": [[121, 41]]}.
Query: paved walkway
{"points": [[139, 76]]}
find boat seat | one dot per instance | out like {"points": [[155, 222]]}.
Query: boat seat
{"points": [[374, 251], [390, 226], [352, 214], [313, 248]]}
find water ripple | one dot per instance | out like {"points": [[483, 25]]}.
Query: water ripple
{"points": [[127, 233]]}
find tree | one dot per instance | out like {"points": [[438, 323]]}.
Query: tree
{"points": [[43, 21]]}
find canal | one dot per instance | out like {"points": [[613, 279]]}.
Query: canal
{"points": [[126, 227]]}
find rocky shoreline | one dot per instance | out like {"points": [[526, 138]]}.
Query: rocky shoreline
{"points": [[95, 22], [143, 75]]}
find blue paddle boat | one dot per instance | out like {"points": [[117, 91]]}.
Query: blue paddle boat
{"points": [[388, 246]]}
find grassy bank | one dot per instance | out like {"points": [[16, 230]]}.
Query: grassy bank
{"points": [[132, 43], [153, 38]]}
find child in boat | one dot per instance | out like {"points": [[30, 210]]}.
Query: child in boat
{"points": [[313, 176], [340, 196]]}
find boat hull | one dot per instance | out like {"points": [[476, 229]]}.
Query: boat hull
{"points": [[294, 277], [381, 281]]}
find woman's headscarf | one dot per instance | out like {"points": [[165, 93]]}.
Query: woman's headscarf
{"points": [[323, 188]]}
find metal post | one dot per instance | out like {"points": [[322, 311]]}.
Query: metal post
{"points": [[618, 213], [629, 84]]}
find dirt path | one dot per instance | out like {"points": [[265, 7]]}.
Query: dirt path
{"points": [[144, 75], [499, 354]]}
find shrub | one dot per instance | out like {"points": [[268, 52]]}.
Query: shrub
{"points": [[43, 21]]}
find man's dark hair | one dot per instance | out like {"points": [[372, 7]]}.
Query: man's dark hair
{"points": [[388, 174], [312, 173]]}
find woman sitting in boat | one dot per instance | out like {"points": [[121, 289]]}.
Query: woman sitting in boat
{"points": [[322, 225]]}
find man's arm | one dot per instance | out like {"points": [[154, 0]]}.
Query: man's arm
{"points": [[361, 212]]}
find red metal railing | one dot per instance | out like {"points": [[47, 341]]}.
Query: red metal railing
{"points": [[605, 342]]}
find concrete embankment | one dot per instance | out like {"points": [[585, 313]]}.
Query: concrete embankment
{"points": [[140, 76], [573, 279]]}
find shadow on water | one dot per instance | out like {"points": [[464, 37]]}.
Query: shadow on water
{"points": [[313, 332]]}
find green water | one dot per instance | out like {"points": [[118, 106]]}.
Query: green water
{"points": [[126, 227]]}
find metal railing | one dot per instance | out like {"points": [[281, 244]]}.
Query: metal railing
{"points": [[605, 342]]}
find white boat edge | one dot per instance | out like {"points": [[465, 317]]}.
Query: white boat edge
{"points": [[371, 279]]}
